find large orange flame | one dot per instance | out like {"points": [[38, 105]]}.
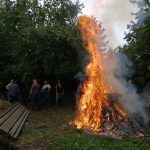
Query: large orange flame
{"points": [[94, 96]]}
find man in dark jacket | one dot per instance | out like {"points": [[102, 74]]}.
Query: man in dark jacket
{"points": [[13, 91], [34, 94]]}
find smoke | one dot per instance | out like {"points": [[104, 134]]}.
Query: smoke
{"points": [[118, 68], [115, 15], [142, 12]]}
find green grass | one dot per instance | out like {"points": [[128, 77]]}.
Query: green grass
{"points": [[48, 129], [74, 141]]}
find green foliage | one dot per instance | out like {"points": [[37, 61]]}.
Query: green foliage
{"points": [[35, 39], [138, 47]]}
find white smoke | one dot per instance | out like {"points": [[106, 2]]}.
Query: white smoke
{"points": [[115, 15], [117, 69]]}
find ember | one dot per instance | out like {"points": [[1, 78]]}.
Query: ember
{"points": [[99, 112]]}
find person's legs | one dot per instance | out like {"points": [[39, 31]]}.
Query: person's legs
{"points": [[34, 101], [60, 99], [57, 99], [47, 100], [12, 99], [15, 98]]}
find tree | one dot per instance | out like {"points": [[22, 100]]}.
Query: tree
{"points": [[36, 39], [138, 47]]}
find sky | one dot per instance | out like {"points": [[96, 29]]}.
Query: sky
{"points": [[115, 15]]}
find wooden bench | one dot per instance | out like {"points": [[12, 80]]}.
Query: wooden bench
{"points": [[13, 118]]}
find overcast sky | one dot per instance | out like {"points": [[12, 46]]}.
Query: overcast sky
{"points": [[115, 15]]}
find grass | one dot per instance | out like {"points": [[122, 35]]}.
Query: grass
{"points": [[89, 142], [49, 130]]}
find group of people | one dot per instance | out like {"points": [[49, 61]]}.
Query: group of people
{"points": [[13, 92]]}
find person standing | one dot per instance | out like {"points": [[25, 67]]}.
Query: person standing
{"points": [[59, 92], [46, 93], [131, 87], [13, 91], [34, 94]]}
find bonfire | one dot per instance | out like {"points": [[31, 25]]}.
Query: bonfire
{"points": [[98, 110]]}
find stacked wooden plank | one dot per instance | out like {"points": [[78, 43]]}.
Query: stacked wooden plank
{"points": [[13, 118]]}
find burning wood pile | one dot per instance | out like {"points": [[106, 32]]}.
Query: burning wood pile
{"points": [[116, 122], [99, 112]]}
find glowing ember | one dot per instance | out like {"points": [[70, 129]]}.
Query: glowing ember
{"points": [[94, 98], [141, 135]]}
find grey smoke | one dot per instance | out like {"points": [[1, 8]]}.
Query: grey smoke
{"points": [[118, 68]]}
